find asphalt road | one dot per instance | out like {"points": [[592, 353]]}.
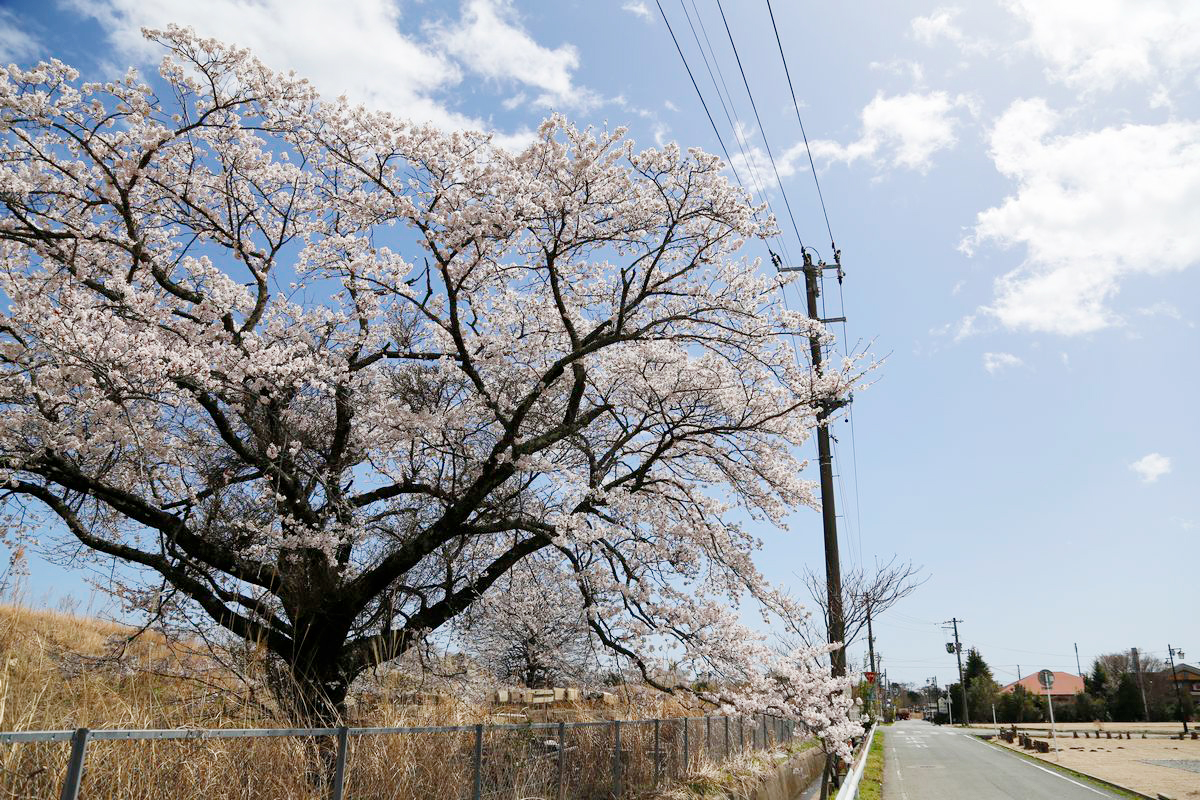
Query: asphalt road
{"points": [[928, 762]]}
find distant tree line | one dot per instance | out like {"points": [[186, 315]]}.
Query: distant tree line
{"points": [[1111, 694]]}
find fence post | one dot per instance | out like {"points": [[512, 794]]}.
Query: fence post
{"points": [[726, 737], [339, 769], [477, 764], [687, 765], [562, 760], [707, 736], [70, 787], [616, 784], [657, 753]]}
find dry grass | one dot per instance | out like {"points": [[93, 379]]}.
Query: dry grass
{"points": [[58, 671], [732, 779]]}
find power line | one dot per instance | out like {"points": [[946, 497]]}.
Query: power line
{"points": [[696, 86], [729, 117], [761, 129], [833, 246], [796, 105]]}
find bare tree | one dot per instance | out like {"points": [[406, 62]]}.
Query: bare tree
{"points": [[863, 594]]}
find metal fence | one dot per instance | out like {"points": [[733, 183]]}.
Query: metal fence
{"points": [[579, 760]]}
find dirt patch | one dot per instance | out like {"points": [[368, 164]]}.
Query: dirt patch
{"points": [[1143, 765]]}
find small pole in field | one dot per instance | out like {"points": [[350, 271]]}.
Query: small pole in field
{"points": [[1046, 677]]}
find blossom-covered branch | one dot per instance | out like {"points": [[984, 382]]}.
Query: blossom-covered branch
{"points": [[331, 375]]}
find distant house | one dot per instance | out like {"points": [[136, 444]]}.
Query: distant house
{"points": [[1066, 685], [1186, 676]]}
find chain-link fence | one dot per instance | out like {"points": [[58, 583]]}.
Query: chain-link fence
{"points": [[614, 759]]}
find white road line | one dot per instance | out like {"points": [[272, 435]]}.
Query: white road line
{"points": [[1050, 771], [899, 774]]}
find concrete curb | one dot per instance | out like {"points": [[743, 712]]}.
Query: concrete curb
{"points": [[1077, 773]]}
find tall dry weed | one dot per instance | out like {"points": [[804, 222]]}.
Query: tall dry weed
{"points": [[60, 671]]}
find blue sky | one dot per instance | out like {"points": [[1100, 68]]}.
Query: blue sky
{"points": [[1014, 186]]}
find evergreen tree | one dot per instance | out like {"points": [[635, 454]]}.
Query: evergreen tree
{"points": [[1096, 684], [1127, 700], [1019, 706], [1088, 708], [982, 688]]}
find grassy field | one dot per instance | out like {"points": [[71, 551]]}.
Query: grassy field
{"points": [[60, 671]]}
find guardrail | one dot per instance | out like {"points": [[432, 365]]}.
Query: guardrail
{"points": [[641, 753], [849, 790]]}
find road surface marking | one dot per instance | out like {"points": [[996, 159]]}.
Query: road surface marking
{"points": [[899, 774], [1050, 771]]}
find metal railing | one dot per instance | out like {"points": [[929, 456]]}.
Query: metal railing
{"points": [[604, 759]]}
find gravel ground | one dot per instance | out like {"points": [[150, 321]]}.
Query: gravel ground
{"points": [[1191, 766]]}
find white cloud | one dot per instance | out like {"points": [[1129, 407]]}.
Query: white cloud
{"points": [[364, 49], [1102, 44], [1151, 467], [899, 131], [994, 362], [942, 24], [661, 132], [938, 25], [638, 8], [913, 70], [15, 44], [1161, 309], [489, 40], [903, 130], [1090, 209]]}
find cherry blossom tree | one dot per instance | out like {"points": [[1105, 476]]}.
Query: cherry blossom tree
{"points": [[530, 628], [323, 376]]}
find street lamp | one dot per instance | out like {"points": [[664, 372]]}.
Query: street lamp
{"points": [[1171, 653]]}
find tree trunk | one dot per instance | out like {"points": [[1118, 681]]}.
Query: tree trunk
{"points": [[311, 692]]}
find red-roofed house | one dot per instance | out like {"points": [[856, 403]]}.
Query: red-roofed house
{"points": [[1066, 685]]}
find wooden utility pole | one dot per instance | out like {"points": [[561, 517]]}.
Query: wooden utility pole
{"points": [[825, 409], [1171, 653], [833, 569], [871, 649], [1137, 670], [966, 716]]}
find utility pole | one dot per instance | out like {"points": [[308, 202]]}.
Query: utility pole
{"points": [[1078, 668], [1171, 653], [1137, 670], [833, 570], [966, 717], [871, 650]]}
